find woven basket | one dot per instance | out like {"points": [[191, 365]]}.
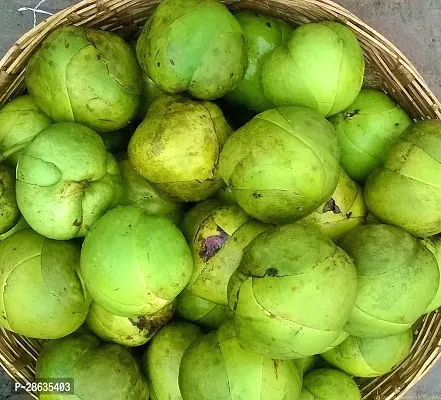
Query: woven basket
{"points": [[387, 69]]}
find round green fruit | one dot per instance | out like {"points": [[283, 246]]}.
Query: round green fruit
{"points": [[43, 292], [434, 245], [86, 76], [177, 147], [134, 263], [196, 46], [320, 67], [163, 356], [217, 235], [366, 129], [292, 293], [61, 196], [397, 280], [98, 371], [370, 357], [262, 35], [131, 332], [217, 367], [200, 311], [344, 211], [9, 212], [282, 165], [20, 121], [405, 189], [141, 193], [329, 384]]}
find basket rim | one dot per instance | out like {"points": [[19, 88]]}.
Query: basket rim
{"points": [[12, 70]]}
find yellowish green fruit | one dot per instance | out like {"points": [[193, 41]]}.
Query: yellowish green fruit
{"points": [[282, 165], [177, 147], [200, 311], [217, 367], [9, 212], [134, 331], [369, 358], [43, 292], [217, 235], [20, 225], [163, 356], [434, 245], [397, 280], [344, 211], [20, 121], [195, 46]]}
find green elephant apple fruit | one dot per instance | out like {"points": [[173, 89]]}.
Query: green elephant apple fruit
{"points": [[43, 292], [177, 147], [434, 245], [320, 67], [95, 370], [366, 129], [329, 384], [9, 212], [293, 292], [282, 165], [141, 193], [134, 263], [200, 311], [163, 357], [369, 358], [129, 332], [66, 180], [404, 190], [195, 46], [344, 211], [397, 280], [217, 235], [217, 367], [20, 225], [20, 121], [262, 34], [86, 76]]}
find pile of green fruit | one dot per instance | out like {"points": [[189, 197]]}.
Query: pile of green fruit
{"points": [[239, 246]]}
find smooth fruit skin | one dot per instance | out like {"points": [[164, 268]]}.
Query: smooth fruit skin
{"points": [[98, 371], [329, 384], [217, 367], [196, 46], [397, 280], [66, 181], [134, 263], [305, 364], [434, 245], [344, 211], [282, 165], [20, 225], [366, 129], [370, 357], [217, 235], [177, 147], [43, 295], [126, 331], [145, 195], [405, 189], [86, 76], [320, 67], [20, 121], [9, 212], [292, 293], [200, 311], [262, 35], [163, 357]]}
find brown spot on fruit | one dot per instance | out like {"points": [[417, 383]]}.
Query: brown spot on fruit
{"points": [[331, 206], [276, 368], [271, 272], [257, 195], [349, 115], [212, 244], [77, 222]]}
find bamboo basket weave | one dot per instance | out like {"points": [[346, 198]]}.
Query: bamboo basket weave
{"points": [[388, 69]]}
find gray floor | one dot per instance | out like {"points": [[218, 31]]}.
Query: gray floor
{"points": [[413, 25]]}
